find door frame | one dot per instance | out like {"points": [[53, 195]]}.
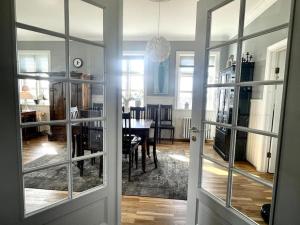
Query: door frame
{"points": [[197, 197], [82, 207], [272, 52]]}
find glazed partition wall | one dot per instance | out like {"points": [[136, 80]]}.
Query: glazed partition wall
{"points": [[62, 125], [239, 160]]}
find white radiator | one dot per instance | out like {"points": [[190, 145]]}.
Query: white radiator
{"points": [[187, 122]]}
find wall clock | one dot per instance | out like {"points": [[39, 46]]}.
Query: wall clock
{"points": [[77, 62]]}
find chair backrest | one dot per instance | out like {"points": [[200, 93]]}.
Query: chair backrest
{"points": [[137, 112], [156, 126], [98, 107], [166, 116], [74, 112], [151, 111]]}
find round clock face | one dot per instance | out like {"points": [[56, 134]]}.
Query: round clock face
{"points": [[77, 62]]}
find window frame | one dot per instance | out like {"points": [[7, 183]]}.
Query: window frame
{"points": [[131, 56], [35, 53], [234, 126], [68, 121], [179, 75]]}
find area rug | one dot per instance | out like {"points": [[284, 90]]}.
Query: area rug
{"points": [[169, 180], [56, 178]]}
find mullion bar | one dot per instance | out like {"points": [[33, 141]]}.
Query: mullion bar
{"points": [[58, 79], [218, 7], [225, 125], [222, 44], [81, 40], [264, 32], [99, 5], [248, 83], [39, 30], [84, 157], [252, 177], [255, 131], [92, 119], [72, 80], [244, 129], [236, 101], [43, 167], [214, 161], [41, 123], [258, 83], [68, 97]]}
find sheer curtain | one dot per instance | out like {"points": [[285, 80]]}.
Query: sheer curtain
{"points": [[32, 63]]}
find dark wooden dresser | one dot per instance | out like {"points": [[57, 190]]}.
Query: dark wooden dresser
{"points": [[29, 132], [224, 115]]}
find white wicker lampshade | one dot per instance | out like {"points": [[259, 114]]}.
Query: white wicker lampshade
{"points": [[158, 49]]}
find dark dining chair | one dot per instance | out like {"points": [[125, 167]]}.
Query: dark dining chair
{"points": [[153, 140], [137, 112], [90, 139], [166, 121], [130, 142], [152, 113]]}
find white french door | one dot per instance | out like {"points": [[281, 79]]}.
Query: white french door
{"points": [[68, 150], [228, 182]]}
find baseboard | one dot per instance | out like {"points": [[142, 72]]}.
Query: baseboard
{"points": [[176, 139]]}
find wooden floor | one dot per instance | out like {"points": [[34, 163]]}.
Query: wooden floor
{"points": [[153, 211], [247, 197]]}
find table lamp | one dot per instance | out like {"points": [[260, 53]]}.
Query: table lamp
{"points": [[25, 94]]}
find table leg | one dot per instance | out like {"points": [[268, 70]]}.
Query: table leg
{"points": [[144, 156]]}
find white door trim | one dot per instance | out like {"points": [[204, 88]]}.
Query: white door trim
{"points": [[268, 100]]}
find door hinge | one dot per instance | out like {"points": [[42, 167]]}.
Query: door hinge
{"points": [[277, 70], [269, 154]]}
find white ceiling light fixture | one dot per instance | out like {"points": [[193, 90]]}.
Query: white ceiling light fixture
{"points": [[158, 48]]}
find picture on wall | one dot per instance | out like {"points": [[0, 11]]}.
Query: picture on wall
{"points": [[160, 74]]}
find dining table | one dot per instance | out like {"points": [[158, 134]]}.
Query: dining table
{"points": [[141, 128]]}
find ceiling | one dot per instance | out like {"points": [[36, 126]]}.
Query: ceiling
{"points": [[140, 18]]}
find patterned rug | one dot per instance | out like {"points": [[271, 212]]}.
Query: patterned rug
{"points": [[169, 180], [56, 178]]}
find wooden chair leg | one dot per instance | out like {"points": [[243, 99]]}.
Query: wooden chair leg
{"points": [[101, 166], [159, 135], [81, 165], [148, 149], [154, 156], [173, 131], [136, 157], [129, 168], [132, 157]]}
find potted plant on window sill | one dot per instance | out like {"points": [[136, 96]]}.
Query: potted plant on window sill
{"points": [[126, 101]]}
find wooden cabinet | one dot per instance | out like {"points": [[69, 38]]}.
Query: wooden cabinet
{"points": [[225, 108], [80, 96]]}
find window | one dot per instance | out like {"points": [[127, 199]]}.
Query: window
{"points": [[133, 80], [185, 71], [212, 76], [31, 63], [243, 104]]}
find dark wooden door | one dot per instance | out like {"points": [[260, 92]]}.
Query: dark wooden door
{"points": [[57, 110]]}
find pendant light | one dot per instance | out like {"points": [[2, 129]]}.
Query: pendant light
{"points": [[158, 48]]}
